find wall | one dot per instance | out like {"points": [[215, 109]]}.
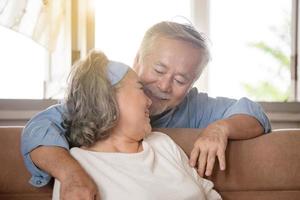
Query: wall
{"points": [[16, 112], [283, 115]]}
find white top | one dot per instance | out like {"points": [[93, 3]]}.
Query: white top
{"points": [[160, 171]]}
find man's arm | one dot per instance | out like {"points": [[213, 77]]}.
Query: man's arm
{"points": [[213, 141], [241, 126], [222, 119], [75, 182], [46, 150]]}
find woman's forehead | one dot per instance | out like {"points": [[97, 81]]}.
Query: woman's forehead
{"points": [[130, 78]]}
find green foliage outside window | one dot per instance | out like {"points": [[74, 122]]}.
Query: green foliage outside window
{"points": [[266, 90]]}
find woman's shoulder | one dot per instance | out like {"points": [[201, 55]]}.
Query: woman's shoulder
{"points": [[75, 150], [78, 153], [157, 135], [160, 139]]}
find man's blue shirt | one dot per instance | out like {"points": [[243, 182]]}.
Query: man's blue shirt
{"points": [[196, 111]]}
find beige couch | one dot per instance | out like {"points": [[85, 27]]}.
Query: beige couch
{"points": [[266, 167]]}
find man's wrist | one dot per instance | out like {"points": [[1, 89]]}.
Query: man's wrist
{"points": [[71, 170], [222, 126], [59, 163]]}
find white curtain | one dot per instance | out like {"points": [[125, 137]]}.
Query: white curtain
{"points": [[41, 20]]}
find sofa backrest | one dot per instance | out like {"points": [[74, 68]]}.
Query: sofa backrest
{"points": [[266, 167], [14, 177]]}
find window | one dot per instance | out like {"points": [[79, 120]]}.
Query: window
{"points": [[22, 66], [250, 40], [120, 25], [35, 42], [251, 49], [254, 45]]}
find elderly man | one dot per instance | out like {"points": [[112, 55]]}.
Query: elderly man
{"points": [[170, 59]]}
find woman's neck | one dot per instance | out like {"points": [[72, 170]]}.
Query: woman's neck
{"points": [[116, 144]]}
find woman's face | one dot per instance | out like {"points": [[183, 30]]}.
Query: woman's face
{"points": [[134, 121]]}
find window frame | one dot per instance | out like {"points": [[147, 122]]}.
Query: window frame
{"points": [[294, 53]]}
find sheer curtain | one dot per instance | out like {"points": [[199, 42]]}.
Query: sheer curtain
{"points": [[41, 20]]}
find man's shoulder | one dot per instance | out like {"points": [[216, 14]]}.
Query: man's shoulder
{"points": [[51, 115], [193, 97], [54, 110], [59, 107], [195, 93]]}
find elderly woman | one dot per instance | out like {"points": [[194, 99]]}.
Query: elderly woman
{"points": [[109, 128]]}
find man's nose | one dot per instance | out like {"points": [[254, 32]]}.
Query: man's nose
{"points": [[165, 84]]}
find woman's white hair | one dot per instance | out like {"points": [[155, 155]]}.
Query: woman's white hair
{"points": [[90, 101]]}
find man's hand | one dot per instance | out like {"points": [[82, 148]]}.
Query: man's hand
{"points": [[213, 141], [78, 186], [209, 145]]}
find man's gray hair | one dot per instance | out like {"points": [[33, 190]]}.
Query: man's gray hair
{"points": [[174, 30], [90, 101]]}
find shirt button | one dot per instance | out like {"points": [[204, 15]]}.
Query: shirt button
{"points": [[38, 182]]}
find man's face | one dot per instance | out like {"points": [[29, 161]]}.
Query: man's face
{"points": [[168, 71]]}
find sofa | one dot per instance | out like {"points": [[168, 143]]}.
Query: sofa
{"points": [[263, 168]]}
